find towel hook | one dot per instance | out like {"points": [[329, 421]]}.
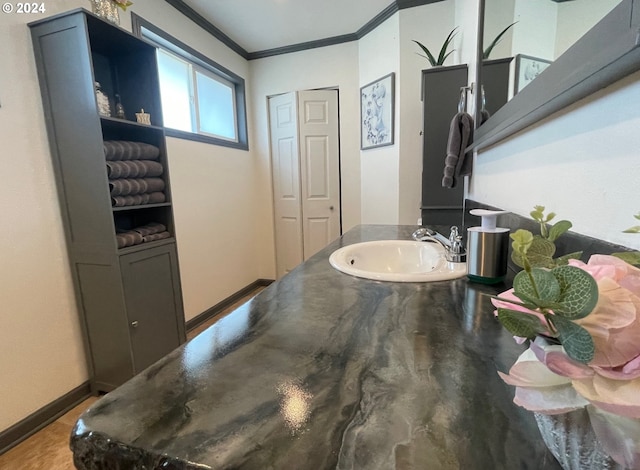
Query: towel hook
{"points": [[462, 104]]}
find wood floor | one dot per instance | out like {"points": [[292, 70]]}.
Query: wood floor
{"points": [[48, 449]]}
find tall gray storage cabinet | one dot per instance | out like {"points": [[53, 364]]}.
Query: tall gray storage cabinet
{"points": [[120, 232], [440, 98]]}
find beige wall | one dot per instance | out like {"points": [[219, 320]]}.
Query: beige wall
{"points": [[379, 54], [214, 192], [41, 351]]}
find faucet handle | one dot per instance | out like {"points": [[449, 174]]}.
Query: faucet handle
{"points": [[453, 235], [456, 252]]}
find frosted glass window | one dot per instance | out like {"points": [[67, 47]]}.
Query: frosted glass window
{"points": [[201, 100], [175, 91], [216, 110]]}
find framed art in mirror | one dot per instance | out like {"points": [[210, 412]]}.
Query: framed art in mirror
{"points": [[377, 102], [527, 69]]}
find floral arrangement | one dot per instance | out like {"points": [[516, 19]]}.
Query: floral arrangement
{"points": [[123, 4], [582, 321]]}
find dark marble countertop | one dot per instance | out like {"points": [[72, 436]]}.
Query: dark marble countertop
{"points": [[323, 370]]}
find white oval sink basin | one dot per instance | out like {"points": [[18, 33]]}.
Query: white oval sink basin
{"points": [[397, 260]]}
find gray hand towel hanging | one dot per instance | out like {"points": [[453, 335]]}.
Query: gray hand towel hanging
{"points": [[456, 162]]}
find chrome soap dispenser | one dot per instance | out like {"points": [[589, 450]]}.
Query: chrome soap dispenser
{"points": [[487, 248]]}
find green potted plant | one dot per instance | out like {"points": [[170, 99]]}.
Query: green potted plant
{"points": [[442, 56]]}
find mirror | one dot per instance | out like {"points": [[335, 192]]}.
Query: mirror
{"points": [[558, 52], [542, 31]]}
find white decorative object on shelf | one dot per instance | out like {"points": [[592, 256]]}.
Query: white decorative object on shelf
{"points": [[143, 118], [104, 107]]}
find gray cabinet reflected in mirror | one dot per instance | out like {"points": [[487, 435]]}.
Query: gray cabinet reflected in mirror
{"points": [[562, 51]]}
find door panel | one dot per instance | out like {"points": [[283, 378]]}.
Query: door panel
{"points": [[286, 182], [306, 174], [318, 231], [287, 158], [319, 161], [317, 167]]}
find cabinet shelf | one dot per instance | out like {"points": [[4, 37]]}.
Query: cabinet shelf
{"points": [[146, 246], [145, 206], [114, 122]]}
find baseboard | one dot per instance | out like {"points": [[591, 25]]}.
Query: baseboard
{"points": [[44, 416], [220, 306]]}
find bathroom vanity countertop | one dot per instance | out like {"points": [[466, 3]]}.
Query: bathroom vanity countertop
{"points": [[323, 370]]}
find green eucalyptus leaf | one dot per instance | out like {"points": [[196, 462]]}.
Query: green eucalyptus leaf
{"points": [[635, 229], [579, 292], [637, 216], [539, 287], [518, 259], [576, 341], [631, 257], [564, 259], [537, 213], [520, 324], [558, 229], [522, 240], [540, 253], [550, 217]]}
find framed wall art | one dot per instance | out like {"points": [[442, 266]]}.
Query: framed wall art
{"points": [[527, 68], [377, 103]]}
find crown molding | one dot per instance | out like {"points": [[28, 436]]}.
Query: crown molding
{"points": [[372, 24]]}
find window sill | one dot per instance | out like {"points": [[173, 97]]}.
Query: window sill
{"points": [[205, 139]]}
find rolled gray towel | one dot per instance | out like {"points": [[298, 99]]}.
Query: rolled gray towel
{"points": [[153, 185], [128, 238], [127, 150], [132, 186], [138, 199], [150, 229], [156, 198], [156, 236], [134, 169]]}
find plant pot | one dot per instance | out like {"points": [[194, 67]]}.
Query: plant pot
{"points": [[572, 441]]}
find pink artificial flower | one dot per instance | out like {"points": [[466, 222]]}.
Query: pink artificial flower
{"points": [[611, 381]]}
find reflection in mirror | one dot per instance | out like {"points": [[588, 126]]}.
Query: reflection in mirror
{"points": [[544, 30]]}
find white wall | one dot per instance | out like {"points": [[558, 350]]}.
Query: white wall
{"points": [[576, 18], [41, 352], [430, 25], [213, 188], [41, 348], [379, 55], [581, 163], [326, 67], [498, 15]]}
